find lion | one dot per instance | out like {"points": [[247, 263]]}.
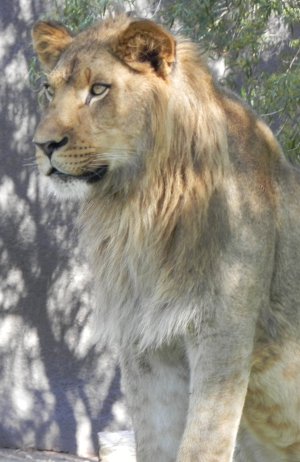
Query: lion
{"points": [[190, 215]]}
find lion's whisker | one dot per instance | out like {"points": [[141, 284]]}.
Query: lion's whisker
{"points": [[30, 164]]}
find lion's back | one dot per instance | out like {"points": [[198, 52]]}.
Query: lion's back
{"points": [[263, 189]]}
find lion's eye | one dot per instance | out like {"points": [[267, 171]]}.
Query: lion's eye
{"points": [[98, 89], [48, 91], [97, 92]]}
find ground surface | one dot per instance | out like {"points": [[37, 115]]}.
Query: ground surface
{"points": [[11, 455], [115, 447]]}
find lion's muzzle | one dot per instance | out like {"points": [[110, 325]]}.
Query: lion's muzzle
{"points": [[54, 160]]}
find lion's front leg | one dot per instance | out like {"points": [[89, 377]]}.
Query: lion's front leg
{"points": [[220, 365], [156, 386]]}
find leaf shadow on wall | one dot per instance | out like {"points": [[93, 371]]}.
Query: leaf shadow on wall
{"points": [[57, 388]]}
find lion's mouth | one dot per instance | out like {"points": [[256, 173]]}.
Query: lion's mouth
{"points": [[89, 177]]}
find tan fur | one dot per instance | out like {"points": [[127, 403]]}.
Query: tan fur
{"points": [[192, 232], [50, 40]]}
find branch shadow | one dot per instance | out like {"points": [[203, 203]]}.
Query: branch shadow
{"points": [[57, 389]]}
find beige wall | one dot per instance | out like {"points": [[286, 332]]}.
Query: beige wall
{"points": [[56, 389]]}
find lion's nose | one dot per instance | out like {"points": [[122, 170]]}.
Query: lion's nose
{"points": [[49, 147]]}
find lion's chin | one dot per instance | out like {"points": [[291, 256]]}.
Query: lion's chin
{"points": [[64, 186], [66, 190]]}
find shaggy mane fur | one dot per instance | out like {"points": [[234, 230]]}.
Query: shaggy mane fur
{"points": [[184, 162]]}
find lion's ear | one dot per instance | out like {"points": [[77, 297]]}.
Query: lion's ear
{"points": [[145, 45], [49, 41]]}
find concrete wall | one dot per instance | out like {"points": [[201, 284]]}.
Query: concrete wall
{"points": [[56, 389]]}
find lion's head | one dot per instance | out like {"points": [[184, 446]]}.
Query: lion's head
{"points": [[101, 89]]}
